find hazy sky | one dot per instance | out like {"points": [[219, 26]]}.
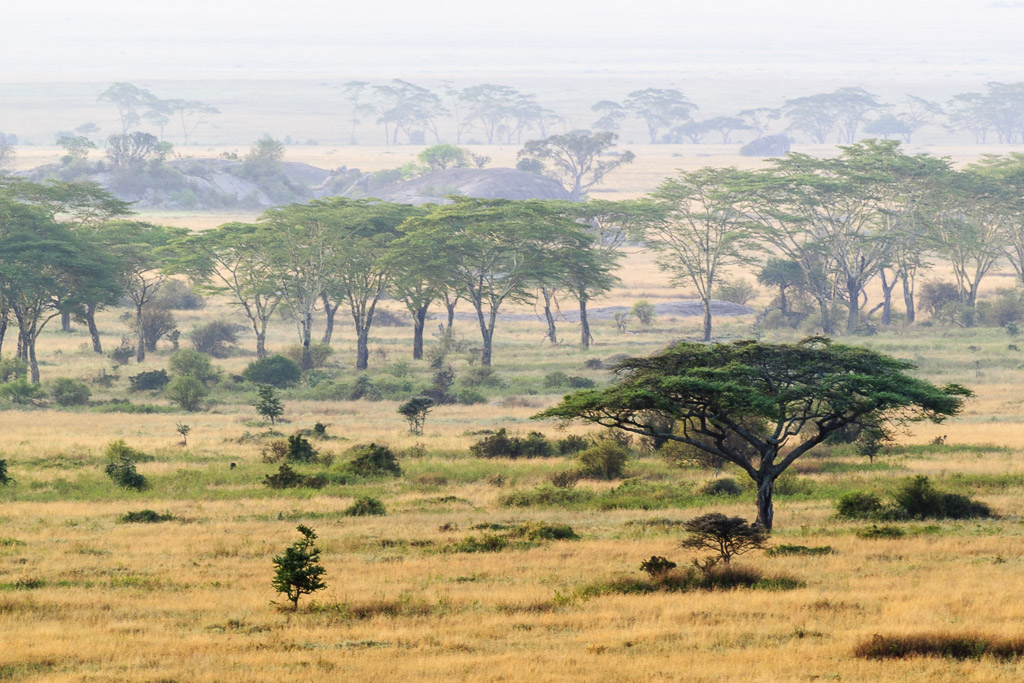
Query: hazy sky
{"points": [[123, 39]]}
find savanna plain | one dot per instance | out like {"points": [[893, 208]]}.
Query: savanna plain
{"points": [[447, 585]]}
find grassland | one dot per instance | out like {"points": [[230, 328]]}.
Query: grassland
{"points": [[84, 597]]}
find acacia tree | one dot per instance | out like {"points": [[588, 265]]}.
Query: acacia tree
{"points": [[659, 109], [128, 99], [495, 248], [576, 158], [697, 230], [235, 259], [760, 406]]}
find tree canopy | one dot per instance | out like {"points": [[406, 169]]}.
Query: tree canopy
{"points": [[760, 406]]}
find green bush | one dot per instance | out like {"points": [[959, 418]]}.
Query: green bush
{"points": [[186, 391], [145, 517], [67, 392], [365, 507], [371, 460], [318, 353], [884, 531], [725, 486], [604, 460], [5, 478], [958, 646], [486, 543], [12, 367], [572, 444], [277, 371], [153, 380], [21, 391], [860, 505], [189, 363], [919, 500], [657, 565], [469, 397], [121, 466], [216, 338], [544, 531], [799, 550], [500, 445], [286, 478]]}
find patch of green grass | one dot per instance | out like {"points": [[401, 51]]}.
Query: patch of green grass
{"points": [[802, 550]]}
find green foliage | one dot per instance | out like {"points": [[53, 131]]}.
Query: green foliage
{"points": [[287, 478], [415, 412], [145, 517], [318, 354], [469, 397], [644, 311], [957, 646], [725, 536], [121, 466], [186, 391], [365, 507], [267, 403], [276, 370], [572, 444], [785, 550], [371, 460], [739, 292], [860, 505], [486, 543], [298, 571], [884, 531], [558, 379], [5, 478], [21, 391], [500, 445], [12, 368], [604, 460], [725, 486], [717, 578], [545, 531], [152, 380], [441, 157], [216, 338], [920, 500], [189, 363], [68, 392], [657, 565]]}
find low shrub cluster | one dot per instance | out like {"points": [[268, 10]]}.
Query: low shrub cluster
{"points": [[723, 577], [287, 478], [145, 517], [501, 445], [365, 507], [121, 466], [915, 499], [950, 645]]}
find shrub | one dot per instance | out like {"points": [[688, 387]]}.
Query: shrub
{"points": [[21, 391], [554, 380], [177, 295], [919, 500], [189, 363], [486, 543], [157, 323], [544, 531], [298, 571], [469, 397], [884, 531], [739, 292], [725, 536], [500, 445], [153, 380], [950, 645], [372, 460], [299, 449], [364, 388], [216, 338], [604, 460], [267, 404], [643, 311], [12, 367], [657, 565], [800, 550], [276, 370], [318, 353], [5, 478], [365, 507], [187, 391], [722, 487], [860, 505], [121, 466], [935, 296], [565, 479], [577, 382], [415, 412], [481, 376], [286, 478], [572, 444], [145, 517], [67, 392]]}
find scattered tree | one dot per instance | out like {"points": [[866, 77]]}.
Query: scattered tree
{"points": [[298, 571]]}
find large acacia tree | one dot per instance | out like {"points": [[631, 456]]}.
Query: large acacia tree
{"points": [[760, 406]]}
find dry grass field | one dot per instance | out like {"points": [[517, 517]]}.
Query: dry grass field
{"points": [[85, 597]]}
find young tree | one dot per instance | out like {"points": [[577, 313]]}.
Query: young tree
{"points": [[697, 230], [781, 400], [267, 404], [415, 412], [298, 571], [441, 157], [724, 536], [577, 158]]}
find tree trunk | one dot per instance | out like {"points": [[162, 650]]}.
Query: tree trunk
{"points": [[887, 288], [3, 329], [261, 345], [585, 336], [552, 333], [485, 355], [826, 317], [783, 303], [32, 362], [419, 321], [362, 348], [706, 305], [765, 510], [451, 314], [307, 342], [853, 319], [65, 321], [140, 352], [94, 332], [908, 297], [330, 311]]}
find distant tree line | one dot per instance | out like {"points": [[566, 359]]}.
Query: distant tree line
{"points": [[818, 232]]}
